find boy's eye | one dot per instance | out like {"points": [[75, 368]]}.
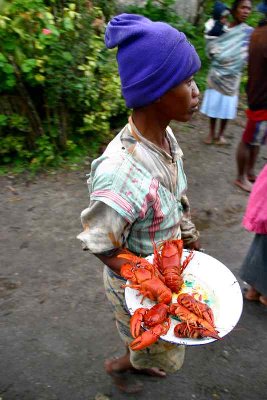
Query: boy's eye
{"points": [[189, 82]]}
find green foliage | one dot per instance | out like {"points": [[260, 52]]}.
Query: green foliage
{"points": [[53, 57], [107, 7], [54, 61]]}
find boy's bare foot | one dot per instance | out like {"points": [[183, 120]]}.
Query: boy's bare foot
{"points": [[244, 185], [121, 379]]}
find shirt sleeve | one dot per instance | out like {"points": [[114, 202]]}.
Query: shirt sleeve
{"points": [[189, 233], [104, 229]]}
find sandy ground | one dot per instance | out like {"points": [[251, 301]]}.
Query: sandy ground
{"points": [[56, 325]]}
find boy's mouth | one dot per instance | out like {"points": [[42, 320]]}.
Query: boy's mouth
{"points": [[195, 108]]}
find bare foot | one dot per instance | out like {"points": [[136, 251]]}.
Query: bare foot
{"points": [[121, 379], [263, 300], [222, 142], [244, 185], [252, 294], [208, 140]]}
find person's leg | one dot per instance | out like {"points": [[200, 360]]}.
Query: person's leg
{"points": [[123, 364], [211, 136], [221, 137], [253, 155], [119, 364], [120, 368], [242, 157], [117, 368], [248, 151]]}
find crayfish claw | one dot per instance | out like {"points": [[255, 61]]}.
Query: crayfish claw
{"points": [[144, 340], [136, 321]]}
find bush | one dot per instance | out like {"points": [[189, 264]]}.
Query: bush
{"points": [[53, 59]]}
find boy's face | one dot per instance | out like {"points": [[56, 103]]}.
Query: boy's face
{"points": [[181, 102]]}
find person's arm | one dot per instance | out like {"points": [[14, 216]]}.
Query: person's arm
{"points": [[112, 261], [104, 234], [190, 234]]}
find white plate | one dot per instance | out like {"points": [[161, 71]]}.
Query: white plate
{"points": [[217, 286]]}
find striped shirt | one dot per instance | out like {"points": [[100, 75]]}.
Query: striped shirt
{"points": [[137, 196]]}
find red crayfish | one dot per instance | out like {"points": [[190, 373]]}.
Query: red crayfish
{"points": [[202, 310], [155, 318], [157, 281], [168, 259], [187, 330], [145, 278], [197, 315], [157, 322]]}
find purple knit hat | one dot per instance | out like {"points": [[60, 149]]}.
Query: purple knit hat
{"points": [[152, 57]]}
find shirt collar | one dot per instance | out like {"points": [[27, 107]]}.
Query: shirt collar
{"points": [[176, 151]]}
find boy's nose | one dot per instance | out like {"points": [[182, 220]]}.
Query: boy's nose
{"points": [[195, 90]]}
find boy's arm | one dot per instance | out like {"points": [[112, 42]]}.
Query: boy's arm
{"points": [[111, 259]]}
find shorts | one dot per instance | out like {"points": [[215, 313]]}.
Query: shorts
{"points": [[255, 133], [162, 354]]}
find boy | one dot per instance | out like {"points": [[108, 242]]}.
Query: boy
{"points": [[137, 187]]}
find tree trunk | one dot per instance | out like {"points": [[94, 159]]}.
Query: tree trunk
{"points": [[31, 112], [62, 126], [188, 9]]}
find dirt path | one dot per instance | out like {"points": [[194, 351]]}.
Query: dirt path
{"points": [[56, 326]]}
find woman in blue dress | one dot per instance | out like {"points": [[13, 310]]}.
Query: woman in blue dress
{"points": [[228, 54]]}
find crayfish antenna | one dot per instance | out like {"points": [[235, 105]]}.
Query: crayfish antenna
{"points": [[187, 261]]}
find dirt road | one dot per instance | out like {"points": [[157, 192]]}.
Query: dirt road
{"points": [[56, 326]]}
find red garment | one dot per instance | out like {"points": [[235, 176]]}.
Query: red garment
{"points": [[255, 218], [259, 115], [255, 132]]}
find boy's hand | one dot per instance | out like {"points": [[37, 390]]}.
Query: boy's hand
{"points": [[193, 245]]}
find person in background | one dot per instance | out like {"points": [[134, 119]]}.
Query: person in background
{"points": [[255, 133], [138, 186], [217, 25], [228, 54], [254, 267]]}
